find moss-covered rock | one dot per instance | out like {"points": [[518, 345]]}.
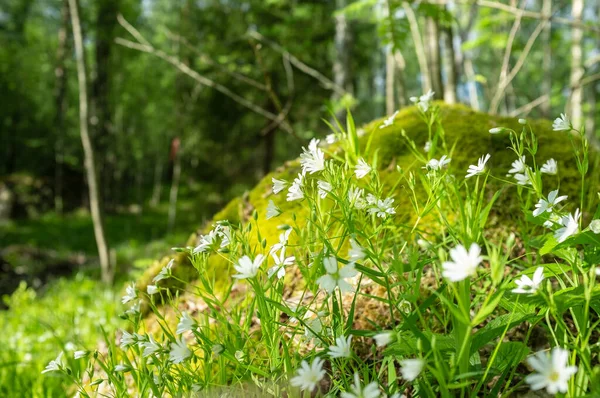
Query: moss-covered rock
{"points": [[467, 137]]}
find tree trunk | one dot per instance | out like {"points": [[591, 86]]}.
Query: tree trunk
{"points": [[576, 100], [419, 47], [60, 101], [400, 81], [341, 63], [547, 61], [88, 150], [451, 74], [472, 83], [176, 156], [157, 189], [390, 66], [434, 57]]}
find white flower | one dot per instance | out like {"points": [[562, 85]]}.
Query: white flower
{"points": [[382, 208], [54, 365], [179, 351], [570, 226], [496, 130], [308, 377], [362, 168], [127, 339], [135, 308], [247, 268], [295, 190], [272, 210], [554, 219], [150, 346], [355, 197], [121, 368], [278, 185], [371, 390], [389, 121], [130, 294], [312, 159], [281, 262], [336, 278], [206, 242], [595, 226], [522, 121], [528, 285], [435, 164], [356, 252], [283, 240], [165, 272], [522, 179], [152, 289], [550, 167], [225, 233], [427, 147], [341, 349], [331, 139], [239, 355], [548, 205], [423, 101], [480, 168], [79, 354], [552, 371], [411, 368], [384, 338], [518, 166], [561, 123], [186, 323], [324, 188], [463, 264]]}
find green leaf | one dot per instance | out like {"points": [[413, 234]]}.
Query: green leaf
{"points": [[495, 328], [509, 355], [550, 244]]}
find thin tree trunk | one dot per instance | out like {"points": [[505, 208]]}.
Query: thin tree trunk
{"points": [[577, 71], [88, 150], [451, 73], [547, 61], [434, 57], [400, 81], [157, 189], [341, 63], [465, 58], [174, 190], [419, 47], [60, 101], [472, 83], [390, 66]]}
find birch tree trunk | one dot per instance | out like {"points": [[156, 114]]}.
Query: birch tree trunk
{"points": [[547, 60], [401, 94], [341, 62], [434, 57], [451, 73], [575, 108], [174, 187], [88, 150], [419, 47], [390, 66]]}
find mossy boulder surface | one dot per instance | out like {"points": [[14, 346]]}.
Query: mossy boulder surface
{"points": [[467, 137]]}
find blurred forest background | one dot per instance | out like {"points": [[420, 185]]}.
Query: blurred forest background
{"points": [[124, 124]]}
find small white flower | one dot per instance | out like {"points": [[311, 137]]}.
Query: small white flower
{"points": [[496, 130], [278, 185], [411, 368], [135, 308], [79, 354], [121, 368], [336, 278], [152, 289], [562, 123], [480, 168], [312, 159], [384, 338], [362, 169], [239, 355], [281, 261], [331, 139], [518, 166], [356, 252], [272, 210], [295, 191], [548, 205], [324, 188], [283, 240], [179, 351], [435, 164], [522, 179], [130, 294], [186, 323], [463, 264], [309, 376], [382, 208], [371, 390], [570, 226], [247, 268], [552, 371], [127, 339], [54, 365], [389, 121], [550, 167], [554, 219], [206, 242], [427, 147], [165, 272], [595, 226], [522, 121], [355, 197], [529, 285], [341, 349], [423, 101], [150, 346]]}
